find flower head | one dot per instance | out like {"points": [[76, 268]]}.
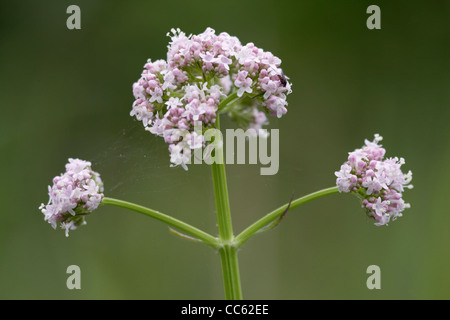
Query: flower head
{"points": [[199, 73], [379, 182], [73, 195]]}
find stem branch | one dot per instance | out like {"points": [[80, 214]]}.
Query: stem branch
{"points": [[264, 221], [175, 223], [227, 101]]}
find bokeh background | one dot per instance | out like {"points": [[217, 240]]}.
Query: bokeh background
{"points": [[67, 93]]}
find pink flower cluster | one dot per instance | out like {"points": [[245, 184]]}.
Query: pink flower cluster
{"points": [[201, 71], [380, 183], [74, 194]]}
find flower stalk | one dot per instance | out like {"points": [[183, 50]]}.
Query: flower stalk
{"points": [[270, 217], [173, 222], [228, 251]]}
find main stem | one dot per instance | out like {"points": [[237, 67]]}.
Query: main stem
{"points": [[228, 251]]}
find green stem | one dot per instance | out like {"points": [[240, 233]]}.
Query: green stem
{"points": [[228, 251], [230, 272], [264, 221], [222, 202], [226, 101], [175, 223]]}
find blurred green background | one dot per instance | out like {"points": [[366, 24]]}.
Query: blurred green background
{"points": [[67, 93]]}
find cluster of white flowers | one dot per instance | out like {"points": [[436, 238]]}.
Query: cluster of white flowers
{"points": [[380, 183], [201, 71], [74, 194]]}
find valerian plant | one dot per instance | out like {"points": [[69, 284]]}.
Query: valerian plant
{"points": [[205, 76]]}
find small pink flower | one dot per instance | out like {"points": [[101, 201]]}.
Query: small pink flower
{"points": [[243, 83]]}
